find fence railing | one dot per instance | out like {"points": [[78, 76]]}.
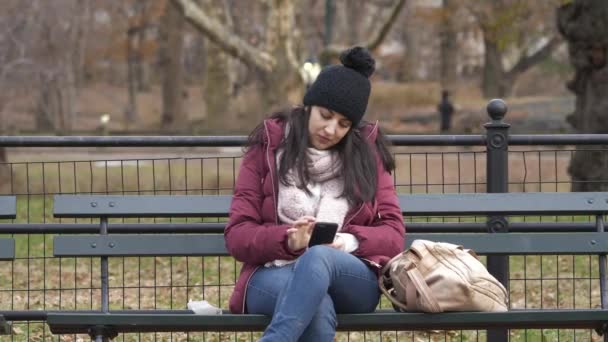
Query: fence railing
{"points": [[36, 283]]}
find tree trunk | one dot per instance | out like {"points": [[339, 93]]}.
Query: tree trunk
{"points": [[494, 78], [56, 102], [278, 84], [353, 14], [132, 81], [82, 37], [330, 22], [217, 85], [54, 112], [48, 105], [409, 63], [448, 45], [68, 100], [583, 24], [171, 46], [141, 72]]}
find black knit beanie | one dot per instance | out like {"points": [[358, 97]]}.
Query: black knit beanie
{"points": [[344, 88]]}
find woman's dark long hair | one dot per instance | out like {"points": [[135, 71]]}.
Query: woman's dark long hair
{"points": [[356, 154]]}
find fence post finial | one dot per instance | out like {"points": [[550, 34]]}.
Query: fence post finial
{"points": [[497, 109]]}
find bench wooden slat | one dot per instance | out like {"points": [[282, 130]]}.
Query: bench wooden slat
{"points": [[143, 245], [8, 207], [140, 206], [411, 204], [7, 249], [5, 328], [213, 244], [537, 203], [64, 323]]}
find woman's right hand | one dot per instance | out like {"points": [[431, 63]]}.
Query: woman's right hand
{"points": [[299, 235]]}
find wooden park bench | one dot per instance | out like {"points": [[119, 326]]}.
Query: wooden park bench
{"points": [[494, 242], [7, 245]]}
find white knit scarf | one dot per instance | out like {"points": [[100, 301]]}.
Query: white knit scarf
{"points": [[326, 185]]}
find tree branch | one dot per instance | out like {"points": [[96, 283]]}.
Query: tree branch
{"points": [[526, 62], [376, 39], [8, 67], [229, 42], [291, 30]]}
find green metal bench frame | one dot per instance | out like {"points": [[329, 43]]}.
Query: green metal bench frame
{"points": [[5, 327], [107, 324], [8, 210], [7, 249]]}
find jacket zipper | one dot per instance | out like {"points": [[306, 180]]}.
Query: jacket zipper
{"points": [[369, 135], [373, 130], [350, 218]]}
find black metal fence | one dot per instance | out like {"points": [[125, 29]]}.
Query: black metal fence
{"points": [[37, 282]]}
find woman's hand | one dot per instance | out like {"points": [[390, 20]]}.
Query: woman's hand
{"points": [[338, 243], [299, 235]]}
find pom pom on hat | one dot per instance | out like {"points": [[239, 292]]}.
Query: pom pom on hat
{"points": [[358, 59], [344, 88]]}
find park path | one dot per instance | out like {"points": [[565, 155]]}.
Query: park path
{"points": [[543, 116]]}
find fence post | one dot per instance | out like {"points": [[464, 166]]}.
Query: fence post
{"points": [[497, 180], [101, 333]]}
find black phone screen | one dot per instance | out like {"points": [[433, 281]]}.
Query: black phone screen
{"points": [[323, 233]]}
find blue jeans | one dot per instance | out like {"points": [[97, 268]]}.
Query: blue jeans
{"points": [[304, 297]]}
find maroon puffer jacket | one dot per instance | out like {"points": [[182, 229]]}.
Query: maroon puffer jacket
{"points": [[254, 235]]}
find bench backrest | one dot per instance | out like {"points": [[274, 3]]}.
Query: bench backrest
{"points": [[527, 203], [412, 205], [8, 210], [466, 204], [140, 206], [213, 244]]}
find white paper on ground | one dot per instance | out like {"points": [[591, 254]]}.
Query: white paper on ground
{"points": [[202, 307]]}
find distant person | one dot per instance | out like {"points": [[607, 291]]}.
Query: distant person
{"points": [[446, 109]]}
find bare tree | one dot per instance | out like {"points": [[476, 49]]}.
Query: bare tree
{"points": [[81, 36], [16, 68], [135, 18], [277, 61], [385, 20], [448, 45], [56, 33], [170, 61], [353, 14], [135, 38], [516, 26], [219, 70], [583, 24]]}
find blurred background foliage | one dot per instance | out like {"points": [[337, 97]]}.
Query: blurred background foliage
{"points": [[219, 66]]}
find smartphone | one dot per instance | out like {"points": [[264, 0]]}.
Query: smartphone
{"points": [[323, 233]]}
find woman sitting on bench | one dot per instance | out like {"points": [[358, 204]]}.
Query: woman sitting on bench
{"points": [[315, 163]]}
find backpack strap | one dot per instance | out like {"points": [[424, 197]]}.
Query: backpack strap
{"points": [[428, 302], [386, 285], [414, 286]]}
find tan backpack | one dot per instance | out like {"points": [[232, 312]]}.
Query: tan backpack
{"points": [[437, 277]]}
